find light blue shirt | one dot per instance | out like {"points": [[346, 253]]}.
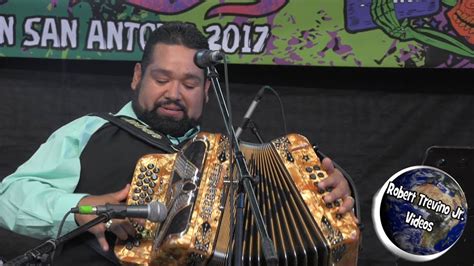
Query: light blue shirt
{"points": [[34, 199]]}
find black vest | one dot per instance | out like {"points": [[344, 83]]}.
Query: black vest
{"points": [[107, 164]]}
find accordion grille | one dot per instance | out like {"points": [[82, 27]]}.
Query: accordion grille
{"points": [[304, 230], [289, 223]]}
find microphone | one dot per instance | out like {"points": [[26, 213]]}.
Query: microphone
{"points": [[205, 58], [248, 114], [154, 211]]}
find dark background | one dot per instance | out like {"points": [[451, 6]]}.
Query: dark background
{"points": [[373, 122]]}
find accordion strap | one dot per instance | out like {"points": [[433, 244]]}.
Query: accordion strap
{"points": [[139, 131]]}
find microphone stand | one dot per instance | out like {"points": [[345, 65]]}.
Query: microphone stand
{"points": [[41, 252], [254, 129], [245, 182]]}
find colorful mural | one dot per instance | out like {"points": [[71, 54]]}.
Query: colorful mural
{"points": [[360, 33]]}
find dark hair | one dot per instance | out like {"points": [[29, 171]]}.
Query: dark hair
{"points": [[181, 33]]}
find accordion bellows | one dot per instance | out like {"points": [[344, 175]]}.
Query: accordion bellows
{"points": [[194, 185]]}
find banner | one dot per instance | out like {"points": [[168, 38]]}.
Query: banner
{"points": [[358, 33]]}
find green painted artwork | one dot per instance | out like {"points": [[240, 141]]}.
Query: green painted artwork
{"points": [[353, 33]]}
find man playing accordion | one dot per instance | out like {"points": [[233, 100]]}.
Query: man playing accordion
{"points": [[90, 161]]}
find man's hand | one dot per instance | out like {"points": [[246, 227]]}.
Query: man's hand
{"points": [[339, 185], [121, 228]]}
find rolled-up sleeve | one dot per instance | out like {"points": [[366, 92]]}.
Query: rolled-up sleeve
{"points": [[34, 199]]}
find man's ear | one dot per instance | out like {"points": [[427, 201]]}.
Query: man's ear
{"points": [[207, 84], [137, 76]]}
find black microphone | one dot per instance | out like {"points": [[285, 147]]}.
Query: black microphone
{"points": [[154, 211], [250, 111], [205, 58]]}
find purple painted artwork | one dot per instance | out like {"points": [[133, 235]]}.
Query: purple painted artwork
{"points": [[358, 17]]}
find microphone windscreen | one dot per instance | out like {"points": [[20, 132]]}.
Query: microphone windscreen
{"points": [[158, 211]]}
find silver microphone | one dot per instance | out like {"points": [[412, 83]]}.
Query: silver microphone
{"points": [[205, 58], [154, 211], [250, 111]]}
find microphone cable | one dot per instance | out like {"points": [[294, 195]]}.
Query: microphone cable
{"points": [[282, 109], [62, 223], [59, 249]]}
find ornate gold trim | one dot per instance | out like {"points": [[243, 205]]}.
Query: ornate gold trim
{"points": [[142, 127]]}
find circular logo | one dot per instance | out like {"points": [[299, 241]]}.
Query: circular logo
{"points": [[419, 213]]}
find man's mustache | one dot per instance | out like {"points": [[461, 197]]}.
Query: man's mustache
{"points": [[170, 102]]}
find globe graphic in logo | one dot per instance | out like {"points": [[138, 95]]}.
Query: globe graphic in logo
{"points": [[422, 211]]}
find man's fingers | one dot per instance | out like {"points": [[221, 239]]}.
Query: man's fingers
{"points": [[138, 221], [331, 181], [122, 229], [101, 239], [121, 194], [346, 205], [337, 193], [334, 176], [129, 229], [119, 231], [327, 165]]}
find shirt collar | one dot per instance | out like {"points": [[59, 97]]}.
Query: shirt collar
{"points": [[127, 110]]}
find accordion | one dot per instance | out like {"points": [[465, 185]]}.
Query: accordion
{"points": [[195, 185]]}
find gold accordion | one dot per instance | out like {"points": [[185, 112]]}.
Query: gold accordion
{"points": [[194, 185]]}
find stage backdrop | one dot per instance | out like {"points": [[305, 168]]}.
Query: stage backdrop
{"points": [[367, 33]]}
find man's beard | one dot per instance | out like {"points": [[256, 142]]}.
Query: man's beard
{"points": [[164, 124]]}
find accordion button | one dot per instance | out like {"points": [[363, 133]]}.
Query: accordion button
{"points": [[142, 195], [316, 167], [142, 169], [329, 189], [136, 243], [222, 157], [137, 190], [309, 169], [329, 205], [149, 173], [141, 201], [129, 245], [145, 187], [321, 191], [312, 176], [151, 166], [150, 191], [206, 227], [147, 199], [336, 203], [135, 197], [141, 176], [156, 170], [154, 177], [139, 183], [146, 180], [320, 174], [325, 221], [152, 184]]}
